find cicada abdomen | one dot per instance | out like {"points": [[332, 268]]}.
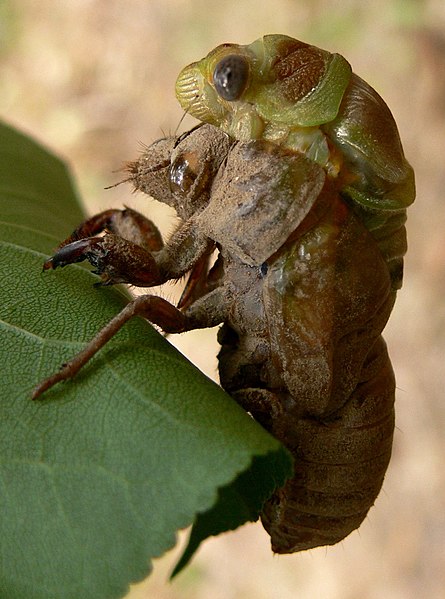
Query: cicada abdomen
{"points": [[339, 424], [340, 465]]}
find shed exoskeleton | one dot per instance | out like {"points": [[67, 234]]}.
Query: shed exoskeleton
{"points": [[303, 293]]}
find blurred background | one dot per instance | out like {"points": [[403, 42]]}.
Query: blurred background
{"points": [[94, 79]]}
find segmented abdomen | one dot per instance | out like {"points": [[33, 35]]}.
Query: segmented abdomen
{"points": [[339, 465]]}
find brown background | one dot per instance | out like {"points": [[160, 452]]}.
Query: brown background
{"points": [[94, 78]]}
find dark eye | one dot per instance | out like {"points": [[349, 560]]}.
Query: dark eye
{"points": [[230, 77], [183, 173]]}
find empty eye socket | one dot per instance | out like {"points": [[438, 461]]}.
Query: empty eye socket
{"points": [[230, 77], [183, 173]]}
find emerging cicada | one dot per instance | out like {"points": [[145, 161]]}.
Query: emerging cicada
{"points": [[307, 267], [309, 101]]}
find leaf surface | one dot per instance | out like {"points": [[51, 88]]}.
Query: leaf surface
{"points": [[96, 479]]}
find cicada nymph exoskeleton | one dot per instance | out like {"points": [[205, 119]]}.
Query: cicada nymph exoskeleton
{"points": [[299, 184]]}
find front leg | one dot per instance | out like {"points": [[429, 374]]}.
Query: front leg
{"points": [[115, 259], [123, 255], [127, 223], [120, 260]]}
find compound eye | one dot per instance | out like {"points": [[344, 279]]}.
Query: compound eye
{"points": [[230, 77], [183, 173]]}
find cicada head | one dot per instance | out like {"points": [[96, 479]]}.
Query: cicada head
{"points": [[179, 171], [213, 90], [264, 89]]}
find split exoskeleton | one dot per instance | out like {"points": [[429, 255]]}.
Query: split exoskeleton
{"points": [[303, 294], [298, 185]]}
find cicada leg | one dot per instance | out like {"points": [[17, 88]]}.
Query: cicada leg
{"points": [[209, 311], [154, 308], [122, 255], [264, 405], [114, 258], [126, 223], [201, 280]]}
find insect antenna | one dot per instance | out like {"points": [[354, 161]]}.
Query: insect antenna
{"points": [[127, 180], [180, 122]]}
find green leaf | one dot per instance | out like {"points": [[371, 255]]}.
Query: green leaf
{"points": [[237, 503], [96, 478]]}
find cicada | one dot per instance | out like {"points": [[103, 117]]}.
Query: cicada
{"points": [[294, 257], [309, 101]]}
